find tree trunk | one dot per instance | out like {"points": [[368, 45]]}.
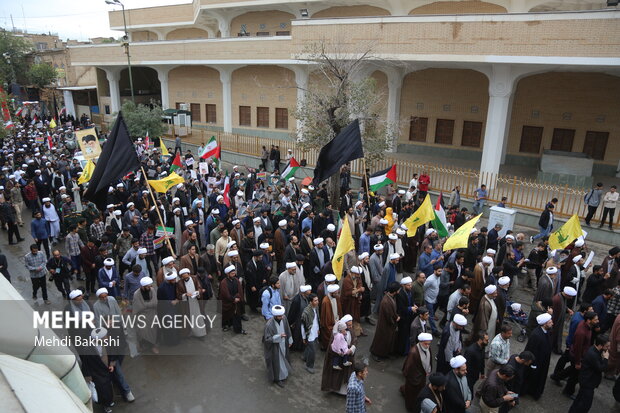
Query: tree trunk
{"points": [[333, 190]]}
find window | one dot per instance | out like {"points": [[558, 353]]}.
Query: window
{"points": [[472, 133], [195, 109], [281, 118], [177, 105], [211, 113], [531, 137], [563, 140], [41, 46], [417, 129], [283, 33], [107, 109], [262, 117], [596, 144], [245, 116], [262, 33], [444, 131]]}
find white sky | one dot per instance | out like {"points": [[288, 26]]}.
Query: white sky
{"points": [[74, 19]]}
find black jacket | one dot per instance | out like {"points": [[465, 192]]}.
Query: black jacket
{"points": [[592, 368], [543, 222], [453, 396]]}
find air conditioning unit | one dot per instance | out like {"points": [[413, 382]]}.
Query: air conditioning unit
{"points": [[184, 106]]}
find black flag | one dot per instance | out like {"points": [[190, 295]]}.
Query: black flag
{"points": [[118, 158], [344, 148]]}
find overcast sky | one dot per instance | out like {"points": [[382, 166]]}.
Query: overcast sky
{"points": [[74, 19]]}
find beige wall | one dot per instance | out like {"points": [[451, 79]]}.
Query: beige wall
{"points": [[271, 20], [196, 84], [351, 11], [458, 7], [434, 88], [381, 91], [266, 86], [586, 96], [153, 15], [143, 36], [187, 33]]}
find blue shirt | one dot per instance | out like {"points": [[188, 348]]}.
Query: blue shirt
{"points": [[365, 243], [38, 229], [574, 322], [424, 263], [269, 302], [306, 223], [356, 395], [482, 194]]}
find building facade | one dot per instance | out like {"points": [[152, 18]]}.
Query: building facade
{"points": [[488, 82]]}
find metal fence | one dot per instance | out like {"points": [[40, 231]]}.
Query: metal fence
{"points": [[522, 193]]}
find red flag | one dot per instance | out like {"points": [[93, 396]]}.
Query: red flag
{"points": [[227, 191], [50, 142], [5, 109]]}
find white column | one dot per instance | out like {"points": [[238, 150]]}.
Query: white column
{"points": [[500, 90], [162, 75], [395, 83], [225, 78], [113, 76], [223, 24], [68, 96], [301, 82]]}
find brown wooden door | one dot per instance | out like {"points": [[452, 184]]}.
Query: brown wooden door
{"points": [[211, 111], [417, 129], [262, 117], [472, 134], [245, 116], [563, 140], [444, 131], [595, 144], [531, 138], [195, 109]]}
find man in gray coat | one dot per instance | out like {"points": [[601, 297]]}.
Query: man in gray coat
{"points": [[276, 342], [593, 200]]}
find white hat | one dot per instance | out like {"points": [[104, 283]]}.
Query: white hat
{"points": [[458, 361], [394, 256], [487, 260], [189, 222], [400, 231], [576, 258], [98, 333], [579, 242], [130, 204], [264, 245], [239, 193], [378, 247], [570, 291], [63, 196], [117, 212], [235, 222], [100, 291], [62, 187], [305, 205], [108, 262], [459, 319], [393, 236], [119, 185], [231, 243], [406, 280], [383, 221], [402, 191], [277, 310], [317, 241], [491, 251], [516, 307], [257, 219], [142, 251], [490, 289], [311, 187], [46, 200], [429, 232], [110, 206], [543, 318], [75, 293], [503, 280], [362, 256], [230, 268], [291, 179], [356, 270], [305, 288], [219, 198], [171, 276], [290, 265], [144, 281], [167, 260], [184, 271], [233, 253], [346, 318], [551, 270], [332, 288], [382, 203], [305, 191], [330, 278], [331, 227], [509, 236], [215, 211], [282, 223], [358, 203], [425, 337]]}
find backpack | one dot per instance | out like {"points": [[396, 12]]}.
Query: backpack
{"points": [[588, 195], [262, 290]]}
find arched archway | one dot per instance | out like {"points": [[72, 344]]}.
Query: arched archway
{"points": [[351, 11], [458, 7], [201, 88], [261, 23], [187, 33], [146, 85], [144, 36]]}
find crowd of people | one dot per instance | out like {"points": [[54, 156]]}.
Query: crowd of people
{"points": [[264, 246]]}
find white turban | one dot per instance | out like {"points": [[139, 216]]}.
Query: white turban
{"points": [[362, 256], [551, 270], [74, 294], [393, 236], [579, 242], [167, 260], [264, 245], [317, 241], [543, 318], [576, 258], [459, 319], [503, 280], [458, 361], [305, 288], [394, 256], [101, 291], [356, 270], [130, 204], [233, 253], [215, 211], [570, 291], [46, 200], [401, 231], [487, 260], [117, 212], [490, 289], [230, 244], [171, 276], [108, 262], [429, 232], [146, 281], [330, 278], [184, 271], [378, 247], [257, 219], [99, 333], [230, 268], [425, 337], [189, 222], [277, 310], [331, 227], [236, 221], [491, 251], [282, 223], [406, 280], [332, 288], [290, 265], [142, 251], [516, 307]]}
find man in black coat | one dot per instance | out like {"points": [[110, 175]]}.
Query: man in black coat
{"points": [[457, 396], [298, 304], [407, 309], [539, 344], [593, 364], [255, 274], [433, 390], [474, 354]]}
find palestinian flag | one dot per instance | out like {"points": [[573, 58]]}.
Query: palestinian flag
{"points": [[439, 222], [290, 169], [383, 178], [226, 193], [176, 163], [210, 150]]}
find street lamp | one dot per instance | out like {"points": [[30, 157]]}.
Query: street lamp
{"points": [[125, 44]]}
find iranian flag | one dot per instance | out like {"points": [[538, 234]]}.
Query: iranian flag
{"points": [[50, 143], [439, 222], [210, 150], [147, 141], [176, 163], [382, 178], [290, 169], [226, 194]]}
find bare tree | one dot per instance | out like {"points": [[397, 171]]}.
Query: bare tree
{"points": [[343, 95]]}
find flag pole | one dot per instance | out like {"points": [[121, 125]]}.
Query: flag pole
{"points": [[367, 186], [158, 212]]}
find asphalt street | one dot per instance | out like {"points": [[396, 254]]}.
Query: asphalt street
{"points": [[226, 372]]}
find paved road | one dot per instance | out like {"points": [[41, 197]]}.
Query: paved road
{"points": [[228, 373]]}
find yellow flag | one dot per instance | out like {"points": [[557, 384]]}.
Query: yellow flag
{"points": [[461, 236], [345, 244], [566, 234], [162, 146], [420, 217], [53, 124], [163, 185], [87, 173]]}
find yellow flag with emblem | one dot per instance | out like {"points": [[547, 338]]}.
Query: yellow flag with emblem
{"points": [[163, 185], [345, 244], [570, 231], [421, 216], [52, 124], [87, 173], [461, 236], [162, 146]]}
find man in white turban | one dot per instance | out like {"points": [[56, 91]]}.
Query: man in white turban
{"points": [[277, 339]]}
